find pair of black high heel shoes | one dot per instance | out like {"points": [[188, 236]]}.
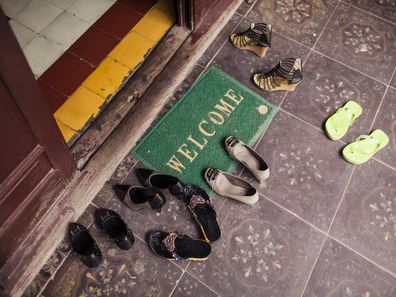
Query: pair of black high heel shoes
{"points": [[173, 246], [85, 246]]}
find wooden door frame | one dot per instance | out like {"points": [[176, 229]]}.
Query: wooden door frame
{"points": [[21, 90], [13, 69]]}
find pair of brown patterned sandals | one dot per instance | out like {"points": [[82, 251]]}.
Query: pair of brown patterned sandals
{"points": [[286, 75], [173, 246]]}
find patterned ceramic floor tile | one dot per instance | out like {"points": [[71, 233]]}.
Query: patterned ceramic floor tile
{"points": [[302, 20], [48, 270], [123, 168], [393, 82], [242, 64], [382, 8], [245, 7], [122, 273], [190, 287], [361, 41], [88, 216], [104, 195], [327, 86], [263, 252], [219, 40], [386, 120], [366, 219], [308, 176], [341, 273]]}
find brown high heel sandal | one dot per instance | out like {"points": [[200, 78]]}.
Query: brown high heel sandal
{"points": [[284, 76], [256, 39]]}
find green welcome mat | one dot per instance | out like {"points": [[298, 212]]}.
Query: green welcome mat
{"points": [[190, 137]]}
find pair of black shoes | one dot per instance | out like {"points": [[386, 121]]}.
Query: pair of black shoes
{"points": [[84, 245], [150, 194], [176, 246]]}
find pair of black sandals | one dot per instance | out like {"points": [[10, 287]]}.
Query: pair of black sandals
{"points": [[85, 246], [173, 246]]}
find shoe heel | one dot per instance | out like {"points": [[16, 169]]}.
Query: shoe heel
{"points": [[261, 51]]}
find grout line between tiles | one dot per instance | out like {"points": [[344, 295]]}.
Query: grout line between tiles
{"points": [[383, 163], [339, 62], [313, 267], [222, 45], [368, 12], [177, 283], [341, 200], [382, 100], [326, 234], [362, 256], [323, 29], [193, 276], [379, 108], [300, 119]]}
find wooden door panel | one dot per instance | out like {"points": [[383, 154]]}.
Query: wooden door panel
{"points": [[30, 215], [17, 139]]}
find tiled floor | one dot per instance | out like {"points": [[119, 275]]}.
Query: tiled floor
{"points": [[322, 226], [47, 28]]}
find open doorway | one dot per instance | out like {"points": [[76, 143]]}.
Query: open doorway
{"points": [[81, 52]]}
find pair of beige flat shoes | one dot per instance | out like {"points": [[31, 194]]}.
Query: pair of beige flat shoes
{"points": [[231, 186]]}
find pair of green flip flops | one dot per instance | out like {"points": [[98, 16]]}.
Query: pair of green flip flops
{"points": [[365, 146]]}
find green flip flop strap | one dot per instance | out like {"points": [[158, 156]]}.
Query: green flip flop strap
{"points": [[347, 113], [370, 138]]}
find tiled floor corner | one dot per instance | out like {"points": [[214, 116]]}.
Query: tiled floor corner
{"points": [[322, 227]]}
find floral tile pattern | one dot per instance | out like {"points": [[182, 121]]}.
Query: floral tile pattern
{"points": [[382, 8], [88, 216], [263, 252], [366, 220], [122, 273], [104, 195], [361, 41], [386, 120], [302, 20], [307, 176], [242, 64], [190, 287], [327, 86], [123, 168], [48, 270], [339, 272]]}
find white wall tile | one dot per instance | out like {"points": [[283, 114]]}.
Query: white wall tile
{"points": [[61, 3], [65, 29], [41, 53], [38, 14], [13, 7], [90, 10], [23, 34]]}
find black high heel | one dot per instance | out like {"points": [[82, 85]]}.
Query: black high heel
{"points": [[160, 181], [137, 198], [83, 244], [111, 223]]}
